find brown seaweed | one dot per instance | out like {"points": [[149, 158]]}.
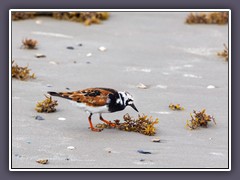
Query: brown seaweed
{"points": [[47, 105], [224, 53], [143, 124], [207, 18], [199, 119], [22, 73]]}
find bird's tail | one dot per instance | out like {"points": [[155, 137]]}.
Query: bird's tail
{"points": [[53, 93]]}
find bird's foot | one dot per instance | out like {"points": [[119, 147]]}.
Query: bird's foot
{"points": [[95, 129], [111, 124]]}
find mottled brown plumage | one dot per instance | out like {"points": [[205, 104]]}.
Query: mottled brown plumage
{"points": [[90, 96]]}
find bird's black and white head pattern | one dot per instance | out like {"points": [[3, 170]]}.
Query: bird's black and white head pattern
{"points": [[124, 98], [120, 101]]}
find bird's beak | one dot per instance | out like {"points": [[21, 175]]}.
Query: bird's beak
{"points": [[133, 106]]}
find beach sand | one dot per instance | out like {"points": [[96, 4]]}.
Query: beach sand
{"points": [[176, 61]]}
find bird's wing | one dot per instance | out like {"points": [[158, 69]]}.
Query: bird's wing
{"points": [[90, 96]]}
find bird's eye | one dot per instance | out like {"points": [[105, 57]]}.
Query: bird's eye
{"points": [[129, 102]]}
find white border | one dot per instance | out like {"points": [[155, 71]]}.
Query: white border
{"points": [[117, 10]]}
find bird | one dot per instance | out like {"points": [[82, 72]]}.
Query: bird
{"points": [[98, 100]]}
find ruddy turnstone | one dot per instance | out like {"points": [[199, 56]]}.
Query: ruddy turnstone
{"points": [[98, 100]]}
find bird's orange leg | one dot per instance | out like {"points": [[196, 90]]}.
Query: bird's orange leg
{"points": [[107, 122], [91, 126]]}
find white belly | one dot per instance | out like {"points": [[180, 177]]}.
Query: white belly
{"points": [[91, 109]]}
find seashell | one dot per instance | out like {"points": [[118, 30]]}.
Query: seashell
{"points": [[61, 119], [71, 147], [42, 161], [141, 86], [89, 54], [52, 62], [211, 87], [102, 48]]}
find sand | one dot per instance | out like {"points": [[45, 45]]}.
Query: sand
{"points": [[176, 61]]}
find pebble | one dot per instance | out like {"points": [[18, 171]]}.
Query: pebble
{"points": [[102, 48], [70, 47], [88, 62], [40, 55], [42, 161], [67, 159], [144, 152], [67, 88], [211, 87], [79, 44], [156, 140], [70, 147], [74, 62], [17, 155], [109, 150], [142, 160], [29, 142], [61, 119], [39, 118], [89, 54], [141, 86]]}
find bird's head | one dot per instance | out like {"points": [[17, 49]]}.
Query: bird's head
{"points": [[127, 99]]}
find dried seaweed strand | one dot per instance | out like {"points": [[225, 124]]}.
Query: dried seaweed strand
{"points": [[22, 73], [207, 18], [29, 43], [47, 105], [87, 18], [199, 119], [224, 53], [175, 107], [143, 124]]}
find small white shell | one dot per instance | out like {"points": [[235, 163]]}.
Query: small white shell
{"points": [[89, 54], [102, 48], [52, 62], [141, 86], [211, 87], [38, 22], [61, 119], [71, 147]]}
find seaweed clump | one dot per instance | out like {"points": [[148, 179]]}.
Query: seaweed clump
{"points": [[87, 18], [210, 18], [199, 119], [29, 43], [175, 107], [224, 53], [47, 105], [22, 73], [22, 15], [143, 124]]}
